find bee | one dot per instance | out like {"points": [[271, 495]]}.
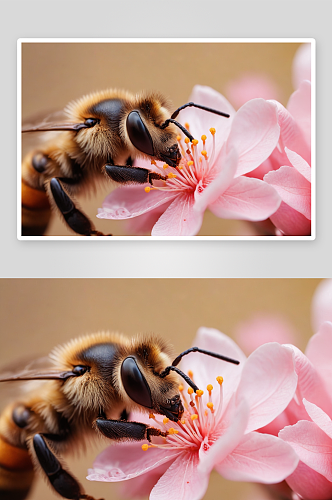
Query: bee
{"points": [[90, 385], [101, 134]]}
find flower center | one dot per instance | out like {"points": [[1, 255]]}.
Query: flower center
{"points": [[194, 166], [198, 422]]}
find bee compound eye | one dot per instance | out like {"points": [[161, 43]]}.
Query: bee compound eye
{"points": [[91, 122], [139, 134], [80, 370], [135, 384]]}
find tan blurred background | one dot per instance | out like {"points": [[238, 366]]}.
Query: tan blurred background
{"points": [[55, 73], [37, 314]]}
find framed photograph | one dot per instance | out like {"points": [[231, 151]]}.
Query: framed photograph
{"points": [[166, 139]]}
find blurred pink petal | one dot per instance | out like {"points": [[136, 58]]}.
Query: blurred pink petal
{"points": [[319, 416], [301, 65], [249, 86], [321, 306], [319, 353], [262, 328], [299, 106]]}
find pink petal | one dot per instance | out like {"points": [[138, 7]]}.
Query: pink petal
{"points": [[262, 328], [309, 484], [246, 199], [237, 419], [179, 219], [299, 163], [319, 352], [299, 106], [321, 306], [293, 188], [268, 382], [201, 121], [319, 416], [141, 486], [309, 386], [291, 222], [312, 446], [301, 65], [259, 458], [220, 183], [127, 202], [143, 224], [207, 369], [249, 86], [254, 134], [126, 461], [182, 481], [291, 135]]}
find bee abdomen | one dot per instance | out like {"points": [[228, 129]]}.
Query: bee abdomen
{"points": [[36, 211], [16, 471]]}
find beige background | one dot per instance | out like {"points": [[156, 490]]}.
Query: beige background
{"points": [[37, 314], [55, 73]]}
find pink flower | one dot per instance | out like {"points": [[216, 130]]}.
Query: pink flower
{"points": [[311, 436], [322, 304], [211, 173], [217, 429], [250, 86]]}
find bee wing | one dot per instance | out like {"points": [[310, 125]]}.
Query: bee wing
{"points": [[37, 124], [55, 121], [38, 369]]}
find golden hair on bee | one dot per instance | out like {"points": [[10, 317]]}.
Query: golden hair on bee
{"points": [[89, 387], [99, 137]]}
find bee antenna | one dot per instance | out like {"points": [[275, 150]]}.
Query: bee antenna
{"points": [[207, 353], [181, 127], [165, 372]]}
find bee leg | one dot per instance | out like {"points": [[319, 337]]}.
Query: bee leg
{"points": [[132, 175], [120, 430], [63, 482], [76, 220]]}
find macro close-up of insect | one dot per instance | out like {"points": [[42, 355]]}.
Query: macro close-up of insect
{"points": [[88, 385], [101, 135]]}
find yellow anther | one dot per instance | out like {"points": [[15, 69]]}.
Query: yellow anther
{"points": [[203, 138], [172, 431], [183, 421], [147, 189], [210, 405], [200, 160], [145, 447], [181, 388], [151, 415], [206, 413], [190, 374], [153, 162], [165, 165], [179, 167], [209, 387], [204, 153], [166, 420], [187, 140], [186, 125], [189, 163], [190, 390], [199, 392], [178, 137], [171, 175], [212, 130], [219, 380], [194, 416], [194, 142]]}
